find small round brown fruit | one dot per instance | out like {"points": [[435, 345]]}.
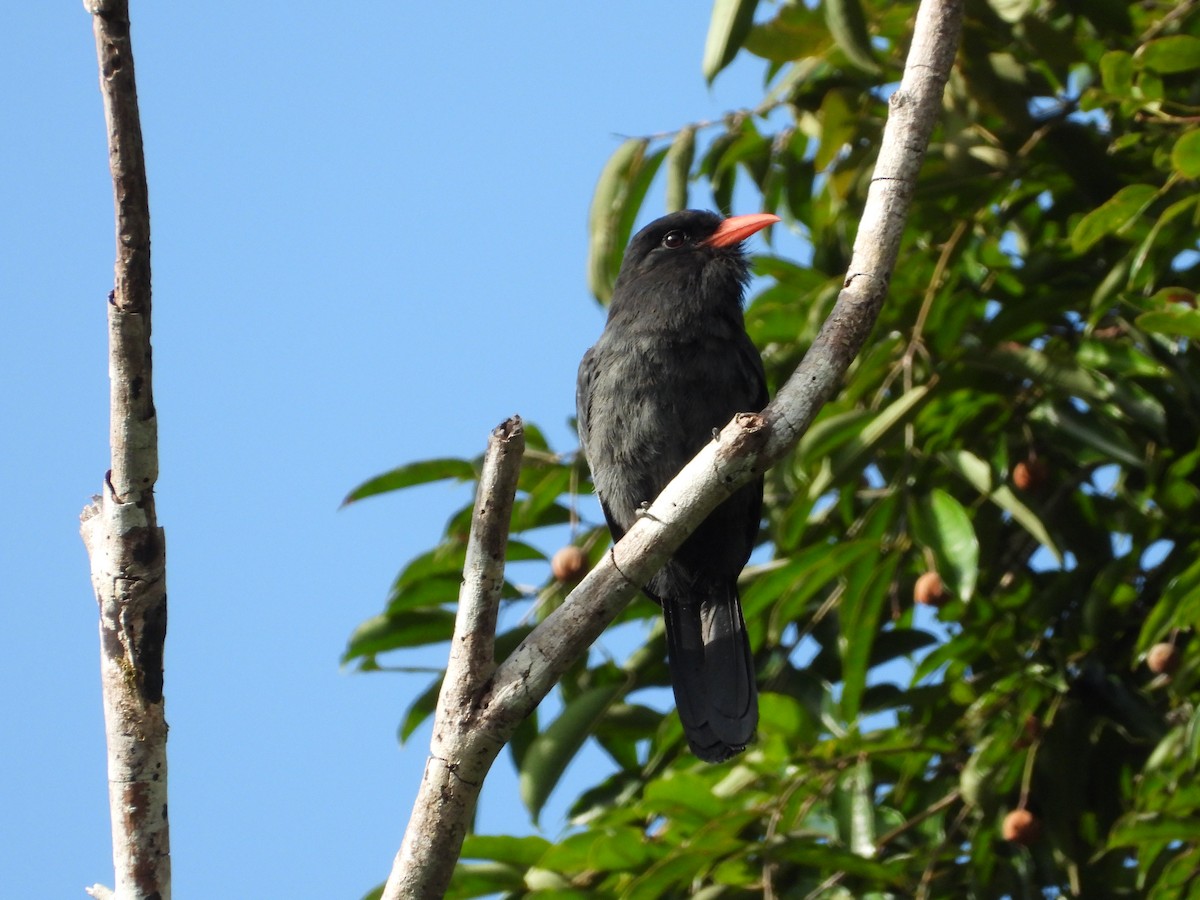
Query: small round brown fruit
{"points": [[1021, 827], [930, 590], [1031, 474], [568, 564], [1163, 659]]}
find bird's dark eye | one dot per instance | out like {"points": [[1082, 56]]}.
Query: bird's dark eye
{"points": [[673, 239]]}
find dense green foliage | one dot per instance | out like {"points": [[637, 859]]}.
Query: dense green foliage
{"points": [[1025, 420]]}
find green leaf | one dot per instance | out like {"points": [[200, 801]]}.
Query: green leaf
{"points": [[684, 793], [1178, 607], [782, 715], [1115, 214], [1116, 73], [790, 588], [945, 527], [977, 473], [820, 855], [679, 168], [858, 784], [794, 34], [1169, 55], [605, 849], [1011, 11], [976, 779], [482, 879], [848, 26], [1185, 155], [1181, 323], [420, 709], [393, 632], [550, 752], [517, 851], [859, 614], [1101, 434], [850, 441], [727, 30], [610, 200], [450, 557], [1176, 209], [422, 472], [1138, 828]]}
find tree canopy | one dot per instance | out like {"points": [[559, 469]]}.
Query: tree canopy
{"points": [[1025, 423]]}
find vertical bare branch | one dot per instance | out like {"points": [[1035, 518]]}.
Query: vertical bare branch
{"points": [[120, 530], [458, 759]]}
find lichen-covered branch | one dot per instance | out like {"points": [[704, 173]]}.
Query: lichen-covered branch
{"points": [[120, 529]]}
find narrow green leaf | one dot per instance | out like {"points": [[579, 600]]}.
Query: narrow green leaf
{"points": [[977, 473], [1178, 607], [684, 792], [975, 470], [862, 810], [1101, 434], [1139, 828], [893, 643], [518, 851], [679, 168], [976, 776], [608, 204], [848, 26], [632, 203], [727, 30], [850, 442], [482, 879], [410, 629], [551, 751], [796, 33], [1116, 213], [435, 577], [422, 472], [954, 542], [820, 855], [859, 617], [1176, 209], [420, 709]]}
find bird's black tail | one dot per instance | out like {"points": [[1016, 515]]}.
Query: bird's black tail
{"points": [[712, 673]]}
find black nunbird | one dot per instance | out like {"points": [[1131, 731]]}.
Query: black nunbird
{"points": [[674, 362]]}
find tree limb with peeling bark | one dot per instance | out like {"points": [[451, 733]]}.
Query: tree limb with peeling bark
{"points": [[125, 545]]}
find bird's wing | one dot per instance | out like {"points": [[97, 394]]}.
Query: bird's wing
{"points": [[583, 395], [583, 404], [753, 363]]}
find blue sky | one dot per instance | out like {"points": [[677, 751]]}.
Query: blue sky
{"points": [[369, 238]]}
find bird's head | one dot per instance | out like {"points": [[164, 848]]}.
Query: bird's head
{"points": [[689, 251]]}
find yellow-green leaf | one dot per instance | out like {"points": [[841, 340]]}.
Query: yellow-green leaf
{"points": [[1110, 217], [727, 30]]}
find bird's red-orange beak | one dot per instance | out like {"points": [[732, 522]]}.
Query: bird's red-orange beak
{"points": [[738, 228]]}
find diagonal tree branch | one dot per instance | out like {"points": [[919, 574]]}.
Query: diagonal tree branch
{"points": [[743, 450], [120, 529]]}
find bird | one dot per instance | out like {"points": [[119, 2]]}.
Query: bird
{"points": [[672, 366]]}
